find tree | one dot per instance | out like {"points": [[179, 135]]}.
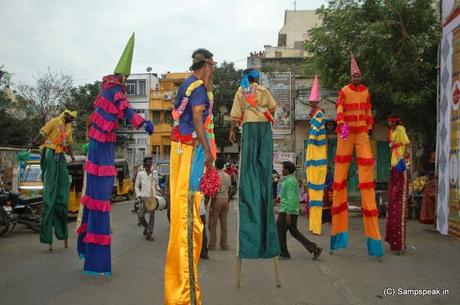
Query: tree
{"points": [[395, 43], [82, 99], [15, 131], [51, 90], [226, 82]]}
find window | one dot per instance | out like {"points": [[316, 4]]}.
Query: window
{"points": [[166, 150], [155, 149], [141, 153], [156, 117], [131, 88], [142, 87], [130, 153], [142, 141], [168, 117]]}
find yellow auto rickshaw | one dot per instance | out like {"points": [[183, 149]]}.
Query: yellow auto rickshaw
{"points": [[123, 185], [30, 183]]}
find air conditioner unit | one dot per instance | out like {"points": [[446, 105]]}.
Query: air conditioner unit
{"points": [[167, 97]]}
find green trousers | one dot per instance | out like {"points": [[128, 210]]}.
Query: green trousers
{"points": [[55, 196], [257, 233]]}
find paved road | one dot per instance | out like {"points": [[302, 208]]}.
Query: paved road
{"points": [[30, 275]]}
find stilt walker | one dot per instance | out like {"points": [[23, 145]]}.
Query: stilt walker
{"points": [[316, 160], [191, 150], [354, 121], [257, 234], [94, 236]]}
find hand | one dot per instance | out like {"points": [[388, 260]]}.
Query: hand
{"points": [[232, 137], [148, 125], [209, 159], [288, 219]]}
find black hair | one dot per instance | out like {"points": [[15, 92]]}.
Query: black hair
{"points": [[250, 78], [200, 64], [289, 166], [220, 163], [147, 159]]}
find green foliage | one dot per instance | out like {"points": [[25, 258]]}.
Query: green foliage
{"points": [[395, 43], [81, 100], [226, 83], [15, 131]]}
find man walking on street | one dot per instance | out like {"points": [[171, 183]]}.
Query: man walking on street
{"points": [[219, 209], [289, 212], [145, 189]]}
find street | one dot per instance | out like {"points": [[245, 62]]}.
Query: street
{"points": [[30, 275]]}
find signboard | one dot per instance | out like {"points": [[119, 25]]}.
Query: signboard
{"points": [[279, 158], [454, 193], [302, 106], [279, 84]]}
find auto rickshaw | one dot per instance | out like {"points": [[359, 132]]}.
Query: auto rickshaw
{"points": [[30, 183], [123, 185]]}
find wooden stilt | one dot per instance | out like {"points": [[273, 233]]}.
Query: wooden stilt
{"points": [[276, 260], [238, 272]]}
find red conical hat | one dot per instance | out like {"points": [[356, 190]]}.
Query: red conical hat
{"points": [[354, 66]]}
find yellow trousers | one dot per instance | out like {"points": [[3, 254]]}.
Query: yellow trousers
{"points": [[365, 162], [185, 235]]}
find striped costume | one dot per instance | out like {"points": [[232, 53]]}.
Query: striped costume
{"points": [[316, 168], [94, 237]]}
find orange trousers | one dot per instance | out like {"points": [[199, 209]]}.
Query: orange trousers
{"points": [[365, 162]]}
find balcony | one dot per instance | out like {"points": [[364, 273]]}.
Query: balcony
{"points": [[162, 128], [158, 104]]}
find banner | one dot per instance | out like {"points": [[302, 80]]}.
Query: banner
{"points": [[279, 158], [448, 127], [279, 84]]}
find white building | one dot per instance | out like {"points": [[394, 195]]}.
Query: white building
{"points": [[136, 143]]}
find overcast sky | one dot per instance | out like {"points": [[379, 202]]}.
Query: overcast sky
{"points": [[84, 38]]}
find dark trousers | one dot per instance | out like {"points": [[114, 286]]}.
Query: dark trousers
{"points": [[283, 227], [204, 246]]}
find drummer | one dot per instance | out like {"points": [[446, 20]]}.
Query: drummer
{"points": [[145, 189]]}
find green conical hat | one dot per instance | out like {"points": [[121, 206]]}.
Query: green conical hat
{"points": [[124, 64]]}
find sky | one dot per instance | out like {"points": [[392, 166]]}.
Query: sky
{"points": [[85, 38]]}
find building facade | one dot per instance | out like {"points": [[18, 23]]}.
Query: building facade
{"points": [[161, 104], [136, 143]]}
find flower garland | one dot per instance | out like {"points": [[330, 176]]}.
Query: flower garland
{"points": [[176, 113]]}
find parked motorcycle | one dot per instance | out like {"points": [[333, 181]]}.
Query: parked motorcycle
{"points": [[15, 208]]}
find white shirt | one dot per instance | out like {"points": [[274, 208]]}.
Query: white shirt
{"points": [[146, 185]]}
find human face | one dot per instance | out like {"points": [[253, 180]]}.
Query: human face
{"points": [[148, 165], [391, 124], [68, 118], [356, 79], [285, 172]]}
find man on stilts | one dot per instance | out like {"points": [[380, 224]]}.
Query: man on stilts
{"points": [[94, 233], [191, 150], [398, 188], [56, 137], [252, 107], [316, 161], [354, 121]]}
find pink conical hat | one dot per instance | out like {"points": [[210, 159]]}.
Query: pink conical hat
{"points": [[354, 66], [314, 94]]}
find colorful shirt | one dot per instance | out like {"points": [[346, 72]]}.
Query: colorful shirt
{"points": [[354, 108], [290, 195], [53, 129], [398, 142], [197, 98], [244, 113]]}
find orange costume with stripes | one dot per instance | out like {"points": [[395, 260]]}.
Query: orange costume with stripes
{"points": [[354, 110]]}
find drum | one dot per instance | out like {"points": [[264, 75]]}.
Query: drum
{"points": [[150, 204], [161, 203]]}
